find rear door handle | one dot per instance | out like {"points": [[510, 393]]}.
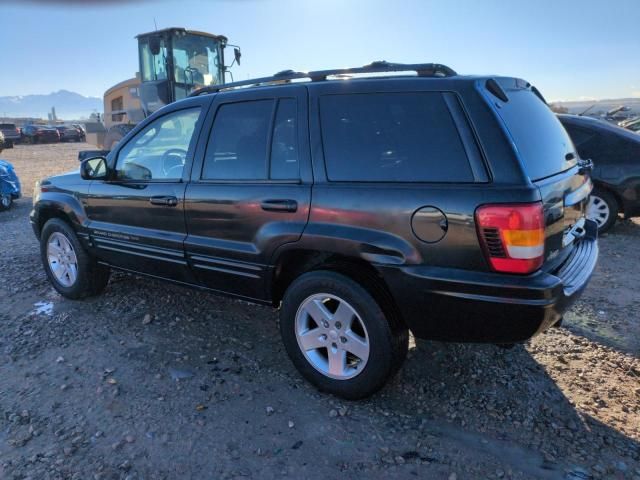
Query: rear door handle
{"points": [[167, 201], [277, 205]]}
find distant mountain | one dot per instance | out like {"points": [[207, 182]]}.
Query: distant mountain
{"points": [[68, 105]]}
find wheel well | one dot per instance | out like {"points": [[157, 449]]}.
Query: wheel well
{"points": [[599, 186], [47, 214], [294, 263]]}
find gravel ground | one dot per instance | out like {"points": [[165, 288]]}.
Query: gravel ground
{"points": [[155, 381]]}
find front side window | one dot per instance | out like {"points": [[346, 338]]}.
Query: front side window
{"points": [[159, 151], [392, 137]]}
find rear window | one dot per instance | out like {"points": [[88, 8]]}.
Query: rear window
{"points": [[541, 141], [7, 126], [392, 137], [605, 145]]}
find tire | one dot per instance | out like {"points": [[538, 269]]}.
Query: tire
{"points": [[386, 339], [603, 208], [90, 279], [6, 201]]}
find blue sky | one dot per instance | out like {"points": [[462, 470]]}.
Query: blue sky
{"points": [[570, 49]]}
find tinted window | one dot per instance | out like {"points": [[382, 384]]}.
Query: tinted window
{"points": [[284, 144], [580, 136], [159, 151], [538, 135], [8, 126], [395, 137], [237, 148]]}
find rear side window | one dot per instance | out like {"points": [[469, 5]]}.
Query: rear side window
{"points": [[609, 147], [578, 135], [284, 144], [541, 141], [392, 137], [237, 148]]}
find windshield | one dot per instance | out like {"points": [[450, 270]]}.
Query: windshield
{"points": [[195, 61]]}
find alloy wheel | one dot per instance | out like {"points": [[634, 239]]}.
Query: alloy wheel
{"points": [[598, 210], [332, 336], [62, 259]]}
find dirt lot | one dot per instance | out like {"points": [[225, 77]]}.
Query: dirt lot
{"points": [[205, 390]]}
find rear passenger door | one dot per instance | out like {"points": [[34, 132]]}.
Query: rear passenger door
{"points": [[250, 188]]}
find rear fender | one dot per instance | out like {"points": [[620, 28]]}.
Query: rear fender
{"points": [[373, 246]]}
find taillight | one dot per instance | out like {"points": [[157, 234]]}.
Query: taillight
{"points": [[512, 236]]}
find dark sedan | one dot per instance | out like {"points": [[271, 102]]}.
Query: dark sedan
{"points": [[616, 175], [39, 134], [69, 134]]}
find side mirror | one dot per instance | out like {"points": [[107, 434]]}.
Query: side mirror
{"points": [[154, 45], [94, 168], [237, 54]]}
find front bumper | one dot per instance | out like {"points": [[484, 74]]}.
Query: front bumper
{"points": [[464, 306]]}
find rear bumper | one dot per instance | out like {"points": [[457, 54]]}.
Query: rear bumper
{"points": [[465, 306]]}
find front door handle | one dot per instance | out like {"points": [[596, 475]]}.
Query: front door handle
{"points": [[276, 205], [165, 200]]}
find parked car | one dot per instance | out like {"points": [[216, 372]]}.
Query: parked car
{"points": [[615, 152], [11, 134], [39, 134], [1, 141], [9, 185], [68, 134], [81, 131], [362, 208], [633, 126]]}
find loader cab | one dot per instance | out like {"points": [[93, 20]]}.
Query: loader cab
{"points": [[175, 62]]}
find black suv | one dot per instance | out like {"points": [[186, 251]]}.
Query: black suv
{"points": [[447, 205], [615, 152]]}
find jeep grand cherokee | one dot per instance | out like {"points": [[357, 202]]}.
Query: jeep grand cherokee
{"points": [[451, 206]]}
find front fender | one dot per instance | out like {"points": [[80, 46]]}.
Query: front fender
{"points": [[56, 204]]}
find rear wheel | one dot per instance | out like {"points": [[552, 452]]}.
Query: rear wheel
{"points": [[603, 209], [69, 267], [338, 336]]}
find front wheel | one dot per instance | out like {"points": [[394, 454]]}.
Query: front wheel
{"points": [[71, 271], [603, 209], [338, 335], [6, 201]]}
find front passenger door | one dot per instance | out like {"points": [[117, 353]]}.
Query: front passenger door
{"points": [[136, 217]]}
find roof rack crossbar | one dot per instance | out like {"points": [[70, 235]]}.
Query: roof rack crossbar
{"points": [[286, 76]]}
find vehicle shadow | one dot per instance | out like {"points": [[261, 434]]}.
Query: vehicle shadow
{"points": [[449, 406], [503, 403], [607, 312]]}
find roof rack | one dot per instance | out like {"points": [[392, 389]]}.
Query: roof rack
{"points": [[286, 76]]}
